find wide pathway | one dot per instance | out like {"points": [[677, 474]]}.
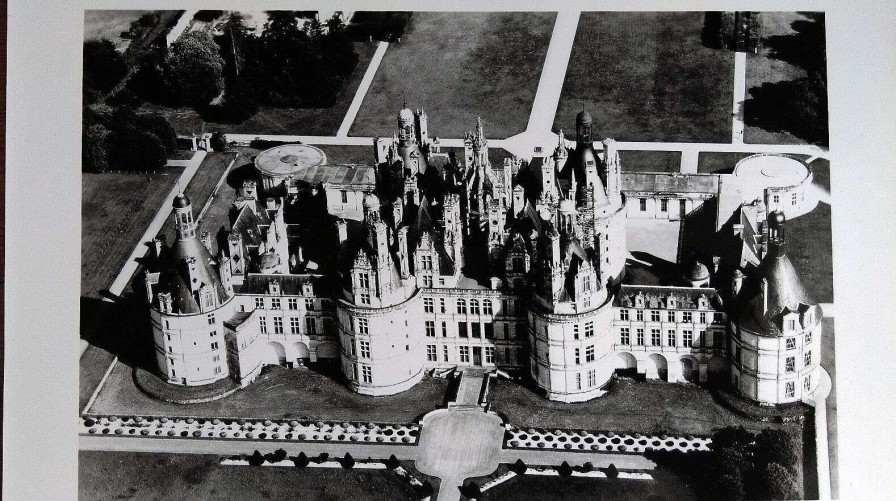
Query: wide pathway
{"points": [[822, 455], [362, 90], [130, 267], [553, 72], [740, 96]]}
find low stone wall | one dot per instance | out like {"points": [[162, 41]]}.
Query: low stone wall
{"points": [[248, 429]]}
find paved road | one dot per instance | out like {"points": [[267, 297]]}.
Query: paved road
{"points": [[740, 95], [130, 267], [822, 454], [553, 72], [362, 90]]}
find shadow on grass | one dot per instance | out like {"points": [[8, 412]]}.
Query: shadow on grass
{"points": [[120, 327], [806, 47], [797, 106]]}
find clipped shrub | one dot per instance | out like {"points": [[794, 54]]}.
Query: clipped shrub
{"points": [[519, 467], [392, 462], [587, 467], [564, 470], [348, 462], [612, 471], [256, 459], [301, 460]]}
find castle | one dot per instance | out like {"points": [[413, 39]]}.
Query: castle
{"points": [[428, 261]]}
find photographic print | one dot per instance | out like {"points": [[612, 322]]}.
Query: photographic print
{"points": [[351, 255]]}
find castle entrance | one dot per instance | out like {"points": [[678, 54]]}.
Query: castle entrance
{"points": [[477, 355]]}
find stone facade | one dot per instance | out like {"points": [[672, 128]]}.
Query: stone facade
{"points": [[446, 260]]}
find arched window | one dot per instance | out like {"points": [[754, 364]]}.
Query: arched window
{"points": [[474, 307], [487, 306], [462, 306]]}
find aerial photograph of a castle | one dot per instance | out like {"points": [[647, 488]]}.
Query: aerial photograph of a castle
{"points": [[339, 255]]}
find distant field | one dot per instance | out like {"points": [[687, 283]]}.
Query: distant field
{"points": [[134, 475], [115, 211], [458, 66], [109, 24], [809, 243], [645, 76], [300, 121], [650, 161]]}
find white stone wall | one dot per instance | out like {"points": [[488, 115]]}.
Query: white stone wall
{"points": [[653, 207]]}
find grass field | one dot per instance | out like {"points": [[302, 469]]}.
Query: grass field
{"points": [[278, 393], [643, 407], [458, 66], [719, 161], [764, 68], [650, 161], [809, 243], [665, 484], [301, 121], [645, 76], [115, 211], [151, 476], [91, 368]]}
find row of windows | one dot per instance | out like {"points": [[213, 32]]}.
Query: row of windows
{"points": [[790, 387], [791, 342], [671, 316], [790, 362], [776, 199], [366, 373], [276, 304], [592, 379], [687, 338], [294, 323], [664, 205]]}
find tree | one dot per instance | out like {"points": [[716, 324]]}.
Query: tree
{"points": [[392, 462], [612, 471], [348, 461], [158, 126], [731, 437], [94, 155], [256, 459], [519, 467], [725, 482], [279, 455], [564, 470], [587, 467], [301, 460], [218, 141], [135, 150], [104, 67], [194, 69], [776, 482], [776, 446]]}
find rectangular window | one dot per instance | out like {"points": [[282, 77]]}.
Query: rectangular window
{"points": [[701, 339], [487, 307], [623, 314], [664, 204], [702, 317], [687, 317], [351, 348], [364, 348], [275, 303], [428, 305], [790, 364], [575, 331], [442, 304], [589, 329], [294, 325], [592, 378], [639, 315], [489, 330], [639, 334], [670, 316], [808, 338], [793, 199], [430, 328], [490, 354], [344, 195], [687, 339], [462, 306], [278, 325], [366, 374], [431, 353], [364, 280], [309, 304], [576, 354], [791, 343], [364, 298], [474, 307], [427, 280], [643, 204], [292, 303], [363, 326], [354, 372], [506, 331], [791, 324], [310, 326], [589, 354], [465, 354], [444, 329], [578, 380], [671, 338], [263, 325], [807, 383], [211, 319], [807, 358], [476, 329], [444, 353], [462, 329], [215, 345], [211, 334], [426, 262], [654, 337], [624, 337], [789, 389], [259, 302], [654, 315], [217, 369]]}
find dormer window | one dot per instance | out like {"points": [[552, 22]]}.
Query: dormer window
{"points": [[670, 302]]}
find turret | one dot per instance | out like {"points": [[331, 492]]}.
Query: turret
{"points": [[406, 134], [422, 129], [583, 128], [185, 227]]}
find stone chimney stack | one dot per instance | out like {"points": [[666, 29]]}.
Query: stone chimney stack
{"points": [[764, 296]]}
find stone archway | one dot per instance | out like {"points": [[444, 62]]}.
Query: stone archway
{"points": [[327, 350], [626, 364], [657, 367], [301, 350], [690, 369], [273, 353]]}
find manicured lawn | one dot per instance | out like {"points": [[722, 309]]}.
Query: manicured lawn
{"points": [[665, 484], [338, 154], [644, 407], [809, 243], [457, 66], [302, 121], [279, 393], [92, 366], [115, 211], [764, 67], [151, 476], [650, 161], [645, 76], [719, 161]]}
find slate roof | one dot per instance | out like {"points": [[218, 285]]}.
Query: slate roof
{"points": [[655, 297], [657, 182]]}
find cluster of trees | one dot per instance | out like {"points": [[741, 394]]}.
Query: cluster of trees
{"points": [[230, 75], [104, 67], [387, 26], [741, 31], [744, 465], [124, 140]]}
